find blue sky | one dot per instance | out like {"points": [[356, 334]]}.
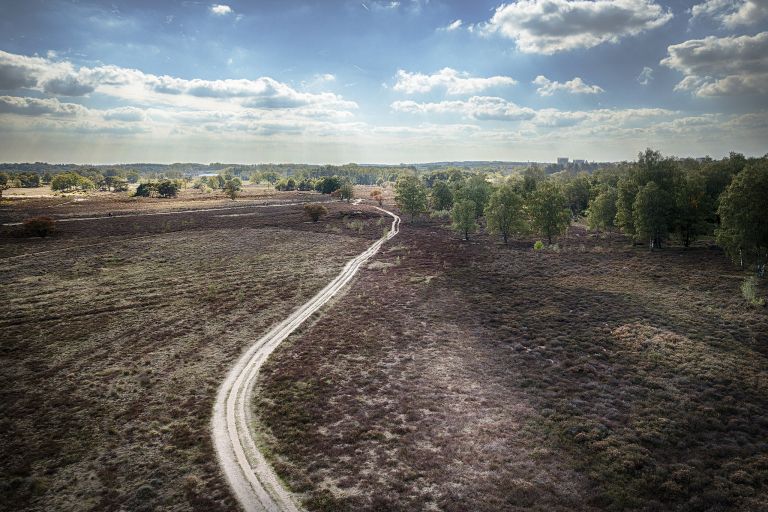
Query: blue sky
{"points": [[381, 81]]}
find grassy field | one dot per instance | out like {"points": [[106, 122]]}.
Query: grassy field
{"points": [[118, 331], [473, 376]]}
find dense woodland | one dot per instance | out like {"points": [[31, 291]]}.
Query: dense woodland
{"points": [[656, 200]]}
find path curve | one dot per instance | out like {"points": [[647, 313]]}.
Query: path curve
{"points": [[251, 478]]}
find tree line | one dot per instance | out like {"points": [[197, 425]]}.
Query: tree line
{"points": [[654, 200]]}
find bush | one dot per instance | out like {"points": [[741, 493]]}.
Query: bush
{"points": [[315, 211], [749, 291], [144, 190], [539, 245], [39, 226], [439, 214], [167, 188]]}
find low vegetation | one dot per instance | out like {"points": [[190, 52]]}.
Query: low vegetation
{"points": [[492, 377], [315, 211], [118, 334], [41, 226]]}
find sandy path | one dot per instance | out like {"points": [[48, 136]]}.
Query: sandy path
{"points": [[252, 480]]}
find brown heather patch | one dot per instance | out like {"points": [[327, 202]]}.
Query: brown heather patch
{"points": [[473, 376], [112, 351]]}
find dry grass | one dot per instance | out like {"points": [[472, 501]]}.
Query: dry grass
{"points": [[473, 376], [114, 346]]}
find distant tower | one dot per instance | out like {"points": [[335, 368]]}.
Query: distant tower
{"points": [[562, 161]]}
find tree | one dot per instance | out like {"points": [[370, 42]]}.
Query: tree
{"points": [[549, 210], [315, 211], [477, 190], [232, 187], [167, 188], [577, 191], [601, 213], [505, 212], [71, 181], [650, 212], [346, 191], [4, 185], [743, 211], [328, 184], [692, 208], [532, 176], [411, 196], [463, 217], [442, 197], [132, 176], [626, 190], [145, 190]]}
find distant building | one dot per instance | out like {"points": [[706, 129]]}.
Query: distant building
{"points": [[562, 161], [577, 161]]}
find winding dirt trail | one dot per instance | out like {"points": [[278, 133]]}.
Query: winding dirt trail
{"points": [[251, 478]]}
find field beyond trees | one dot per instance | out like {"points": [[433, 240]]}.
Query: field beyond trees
{"points": [[118, 331], [591, 375]]}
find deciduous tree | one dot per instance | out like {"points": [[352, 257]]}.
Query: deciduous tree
{"points": [[463, 217], [441, 196], [743, 211], [411, 196], [650, 211], [505, 212], [548, 209]]}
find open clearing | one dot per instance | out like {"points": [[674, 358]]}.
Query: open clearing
{"points": [[472, 376], [118, 332]]}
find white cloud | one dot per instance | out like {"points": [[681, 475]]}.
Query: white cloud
{"points": [[455, 25], [576, 86], [645, 76], [486, 108], [721, 66], [550, 26], [221, 9], [127, 114], [479, 108], [63, 79], [732, 13], [39, 107], [451, 80]]}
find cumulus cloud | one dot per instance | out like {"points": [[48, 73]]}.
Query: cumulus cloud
{"points": [[721, 66], [39, 107], [576, 86], [221, 9], [645, 76], [63, 79], [485, 108], [67, 85], [732, 13], [481, 108], [454, 82], [126, 114], [550, 26]]}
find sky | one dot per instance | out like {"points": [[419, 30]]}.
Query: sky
{"points": [[377, 81]]}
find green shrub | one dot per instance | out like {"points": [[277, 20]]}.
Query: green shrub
{"points": [[749, 291], [167, 188], [439, 214], [41, 226], [145, 190], [539, 245]]}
